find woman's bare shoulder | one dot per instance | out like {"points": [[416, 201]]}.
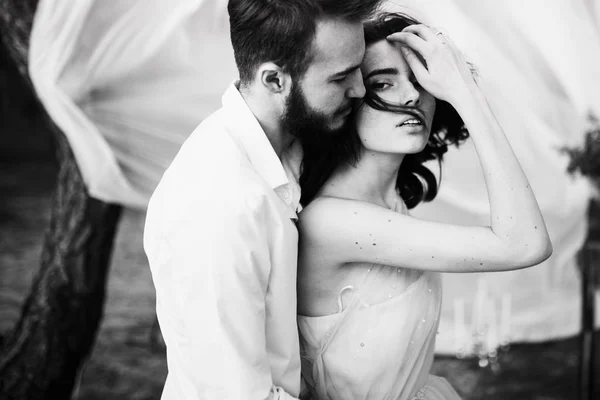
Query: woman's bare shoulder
{"points": [[317, 217], [326, 207], [328, 217]]}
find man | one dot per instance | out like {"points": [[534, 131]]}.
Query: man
{"points": [[219, 235]]}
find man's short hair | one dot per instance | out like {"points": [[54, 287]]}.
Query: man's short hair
{"points": [[282, 31]]}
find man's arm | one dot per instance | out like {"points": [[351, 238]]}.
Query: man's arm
{"points": [[210, 266]]}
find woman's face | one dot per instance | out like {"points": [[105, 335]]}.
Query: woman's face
{"points": [[386, 73]]}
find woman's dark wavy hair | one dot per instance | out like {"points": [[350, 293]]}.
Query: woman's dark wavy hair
{"points": [[415, 183]]}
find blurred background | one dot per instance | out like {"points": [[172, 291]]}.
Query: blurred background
{"points": [[95, 100]]}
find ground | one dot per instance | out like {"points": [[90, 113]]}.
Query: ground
{"points": [[126, 364]]}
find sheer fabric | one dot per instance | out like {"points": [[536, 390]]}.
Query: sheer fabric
{"points": [[380, 350], [380, 345], [128, 81]]}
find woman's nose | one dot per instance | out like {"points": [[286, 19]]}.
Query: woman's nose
{"points": [[410, 95]]}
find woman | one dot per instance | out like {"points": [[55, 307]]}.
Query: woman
{"points": [[369, 289]]}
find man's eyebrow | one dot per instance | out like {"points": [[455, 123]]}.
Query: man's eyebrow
{"points": [[346, 71], [382, 71]]}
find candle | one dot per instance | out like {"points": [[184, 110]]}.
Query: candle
{"points": [[459, 324], [505, 317], [492, 338], [480, 299]]}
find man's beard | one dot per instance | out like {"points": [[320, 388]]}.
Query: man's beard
{"points": [[300, 120]]}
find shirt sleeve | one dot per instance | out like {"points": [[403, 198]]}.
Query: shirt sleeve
{"points": [[210, 268]]}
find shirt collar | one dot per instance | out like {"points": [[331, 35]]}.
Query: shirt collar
{"points": [[247, 130]]}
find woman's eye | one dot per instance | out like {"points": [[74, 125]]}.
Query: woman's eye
{"points": [[379, 85]]}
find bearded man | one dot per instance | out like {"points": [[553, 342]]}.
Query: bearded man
{"points": [[220, 233]]}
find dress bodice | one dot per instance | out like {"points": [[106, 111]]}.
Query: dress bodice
{"points": [[374, 351], [380, 343]]}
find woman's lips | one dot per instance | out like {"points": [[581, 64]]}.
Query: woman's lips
{"points": [[411, 122]]}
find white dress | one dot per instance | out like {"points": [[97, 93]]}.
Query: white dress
{"points": [[380, 344]]}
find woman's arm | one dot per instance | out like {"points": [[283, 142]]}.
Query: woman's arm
{"points": [[341, 231]]}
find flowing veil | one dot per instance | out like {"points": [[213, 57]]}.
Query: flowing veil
{"points": [[128, 81]]}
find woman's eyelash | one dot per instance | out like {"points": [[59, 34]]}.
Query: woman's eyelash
{"points": [[379, 85], [384, 85]]}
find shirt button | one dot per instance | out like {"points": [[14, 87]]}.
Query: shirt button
{"points": [[286, 196]]}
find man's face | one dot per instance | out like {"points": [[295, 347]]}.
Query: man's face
{"points": [[324, 94], [300, 119]]}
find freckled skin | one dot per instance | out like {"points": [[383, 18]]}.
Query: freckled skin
{"points": [[384, 136]]}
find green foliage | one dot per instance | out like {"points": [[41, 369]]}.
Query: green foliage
{"points": [[585, 160]]}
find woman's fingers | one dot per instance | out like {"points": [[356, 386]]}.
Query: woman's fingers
{"points": [[423, 31], [429, 34], [411, 40], [436, 62], [415, 63]]}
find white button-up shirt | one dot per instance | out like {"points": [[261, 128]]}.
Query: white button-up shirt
{"points": [[222, 245]]}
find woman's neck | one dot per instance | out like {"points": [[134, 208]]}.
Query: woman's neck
{"points": [[373, 179]]}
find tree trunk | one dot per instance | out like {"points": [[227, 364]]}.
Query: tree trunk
{"points": [[40, 357]]}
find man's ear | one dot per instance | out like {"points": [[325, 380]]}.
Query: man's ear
{"points": [[273, 78]]}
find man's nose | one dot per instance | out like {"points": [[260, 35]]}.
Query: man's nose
{"points": [[357, 87]]}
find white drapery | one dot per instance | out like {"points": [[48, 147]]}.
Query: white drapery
{"points": [[127, 81]]}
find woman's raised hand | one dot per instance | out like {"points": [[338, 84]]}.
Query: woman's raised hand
{"points": [[437, 64]]}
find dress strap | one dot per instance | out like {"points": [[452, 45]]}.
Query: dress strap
{"points": [[340, 301], [318, 370]]}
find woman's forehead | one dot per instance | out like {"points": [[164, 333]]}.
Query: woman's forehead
{"points": [[383, 54]]}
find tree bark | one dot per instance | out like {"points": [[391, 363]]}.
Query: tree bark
{"points": [[41, 356]]}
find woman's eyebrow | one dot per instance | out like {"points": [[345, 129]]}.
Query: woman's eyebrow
{"points": [[382, 71]]}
